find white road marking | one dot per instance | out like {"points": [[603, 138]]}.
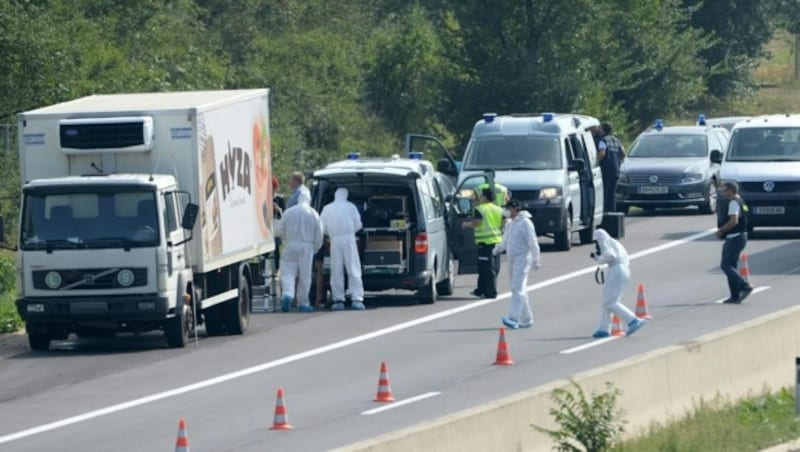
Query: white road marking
{"points": [[755, 291], [319, 350], [400, 403], [590, 345]]}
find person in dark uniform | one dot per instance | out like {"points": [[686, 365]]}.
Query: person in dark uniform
{"points": [[611, 153], [488, 226], [734, 231]]}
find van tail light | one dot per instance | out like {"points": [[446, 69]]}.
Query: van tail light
{"points": [[421, 243]]}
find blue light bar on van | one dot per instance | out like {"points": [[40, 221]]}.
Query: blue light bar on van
{"points": [[701, 119], [352, 156], [415, 155], [547, 117], [659, 124], [489, 117]]}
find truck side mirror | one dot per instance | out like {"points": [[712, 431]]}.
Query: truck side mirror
{"points": [[716, 156], [190, 216]]}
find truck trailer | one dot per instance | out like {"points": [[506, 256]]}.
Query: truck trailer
{"points": [[112, 186]]}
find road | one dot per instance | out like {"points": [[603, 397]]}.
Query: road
{"points": [[127, 394]]}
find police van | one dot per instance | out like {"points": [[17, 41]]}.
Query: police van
{"points": [[549, 163], [763, 157], [404, 240]]}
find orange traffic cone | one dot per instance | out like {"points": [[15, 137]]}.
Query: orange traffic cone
{"points": [[641, 305], [616, 327], [503, 357], [281, 421], [744, 269], [384, 389], [182, 443]]}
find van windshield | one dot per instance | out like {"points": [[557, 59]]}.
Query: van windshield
{"points": [[765, 144], [669, 146], [523, 152]]}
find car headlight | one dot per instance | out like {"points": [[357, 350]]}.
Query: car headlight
{"points": [[549, 193], [623, 178], [690, 178]]}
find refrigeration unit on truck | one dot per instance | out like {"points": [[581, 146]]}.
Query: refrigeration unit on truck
{"points": [[111, 188]]}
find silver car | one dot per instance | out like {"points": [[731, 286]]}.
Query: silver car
{"points": [[672, 167]]}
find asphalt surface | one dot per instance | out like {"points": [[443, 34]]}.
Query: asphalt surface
{"points": [[128, 393]]}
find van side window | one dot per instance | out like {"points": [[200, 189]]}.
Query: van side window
{"points": [[578, 148], [591, 149], [569, 151], [427, 200]]}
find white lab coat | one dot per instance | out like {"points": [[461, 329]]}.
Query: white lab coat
{"points": [[301, 231], [613, 254], [341, 221], [522, 248]]}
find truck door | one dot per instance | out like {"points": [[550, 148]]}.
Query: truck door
{"points": [[463, 238], [176, 254]]}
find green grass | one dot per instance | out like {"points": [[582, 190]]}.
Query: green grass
{"points": [[9, 319], [752, 424]]}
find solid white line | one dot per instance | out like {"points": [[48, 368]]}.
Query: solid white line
{"points": [[400, 403], [755, 291], [319, 350], [590, 345]]}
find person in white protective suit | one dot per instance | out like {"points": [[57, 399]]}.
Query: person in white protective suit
{"points": [[609, 251], [301, 231], [522, 247], [341, 221]]}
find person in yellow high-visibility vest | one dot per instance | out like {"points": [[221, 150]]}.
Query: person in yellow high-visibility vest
{"points": [[488, 225], [501, 192]]}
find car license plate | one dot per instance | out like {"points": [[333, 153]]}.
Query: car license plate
{"points": [[653, 190], [769, 210]]}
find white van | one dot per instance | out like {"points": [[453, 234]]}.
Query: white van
{"points": [[548, 162], [763, 157]]}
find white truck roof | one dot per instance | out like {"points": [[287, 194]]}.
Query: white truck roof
{"points": [[156, 180], [152, 102], [785, 120]]}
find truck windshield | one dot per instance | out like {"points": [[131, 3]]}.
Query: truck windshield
{"points": [[669, 146], [88, 219], [765, 144], [523, 152]]}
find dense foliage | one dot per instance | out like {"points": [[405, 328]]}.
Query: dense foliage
{"points": [[358, 74]]}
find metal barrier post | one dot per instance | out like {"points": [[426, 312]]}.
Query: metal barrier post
{"points": [[797, 386]]}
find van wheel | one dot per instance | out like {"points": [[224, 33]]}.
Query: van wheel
{"points": [[446, 286], [710, 206], [238, 311], [178, 329], [427, 294], [564, 237]]}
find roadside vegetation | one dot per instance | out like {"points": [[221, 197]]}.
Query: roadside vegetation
{"points": [[594, 423]]}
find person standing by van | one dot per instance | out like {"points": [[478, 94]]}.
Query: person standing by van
{"points": [[734, 232], [297, 184], [301, 228], [341, 221], [488, 226], [611, 153], [522, 246], [501, 193]]}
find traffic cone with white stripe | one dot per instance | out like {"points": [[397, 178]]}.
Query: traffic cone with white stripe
{"points": [[503, 356], [641, 304], [281, 421], [744, 269], [384, 388], [616, 326], [182, 443]]}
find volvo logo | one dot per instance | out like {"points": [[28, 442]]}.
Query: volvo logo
{"points": [[653, 179], [769, 186]]}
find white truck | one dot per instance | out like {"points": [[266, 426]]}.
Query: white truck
{"points": [[111, 188]]}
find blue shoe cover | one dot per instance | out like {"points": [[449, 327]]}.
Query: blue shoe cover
{"points": [[634, 326], [510, 323], [599, 334], [286, 303]]}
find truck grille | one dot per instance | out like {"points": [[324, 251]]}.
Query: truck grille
{"points": [[89, 279], [525, 195]]}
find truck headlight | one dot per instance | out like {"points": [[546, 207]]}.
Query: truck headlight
{"points": [[549, 193], [691, 178]]}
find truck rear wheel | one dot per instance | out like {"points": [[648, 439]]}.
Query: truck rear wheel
{"points": [[238, 311]]}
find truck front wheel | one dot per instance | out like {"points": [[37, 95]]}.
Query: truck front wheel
{"points": [[178, 328], [38, 337]]}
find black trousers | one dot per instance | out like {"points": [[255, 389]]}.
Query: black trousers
{"points": [[488, 267], [610, 194]]}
